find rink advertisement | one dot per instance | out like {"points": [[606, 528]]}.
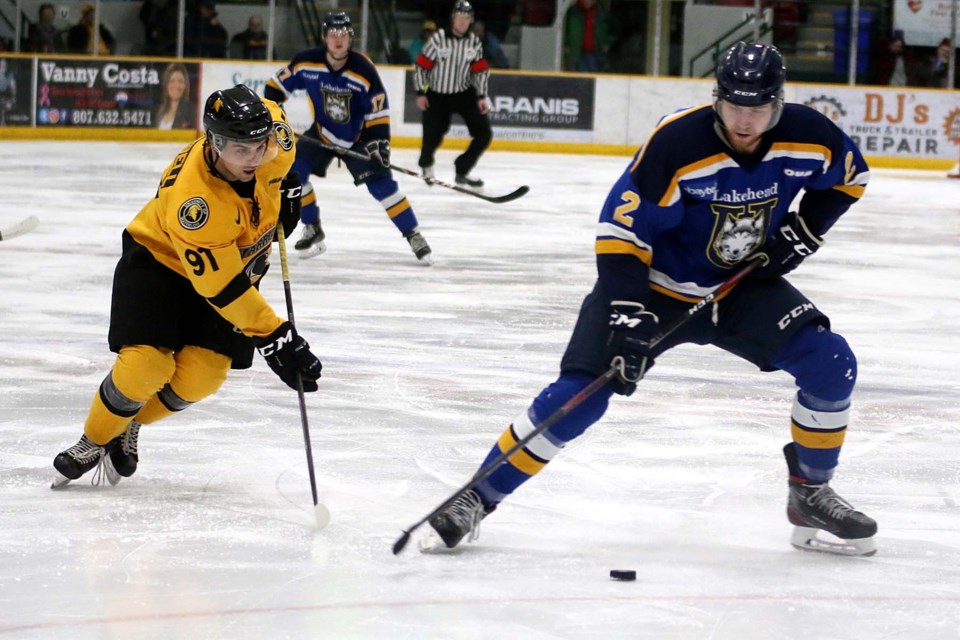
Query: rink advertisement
{"points": [[15, 77], [901, 123], [116, 93], [527, 107]]}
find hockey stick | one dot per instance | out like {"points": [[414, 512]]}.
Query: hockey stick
{"points": [[26, 225], [513, 195], [572, 404], [320, 511]]}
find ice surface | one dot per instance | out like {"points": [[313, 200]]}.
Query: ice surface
{"points": [[423, 367]]}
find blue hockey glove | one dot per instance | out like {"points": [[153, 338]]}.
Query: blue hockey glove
{"points": [[788, 247], [289, 356], [379, 152], [632, 329], [290, 203]]}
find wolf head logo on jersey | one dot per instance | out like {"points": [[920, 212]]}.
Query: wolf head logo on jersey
{"points": [[337, 106], [193, 214], [284, 135], [738, 233]]}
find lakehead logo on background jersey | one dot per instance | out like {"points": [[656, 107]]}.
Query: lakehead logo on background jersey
{"points": [[337, 106], [193, 214]]}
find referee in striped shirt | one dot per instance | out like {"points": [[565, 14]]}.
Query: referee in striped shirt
{"points": [[450, 76]]}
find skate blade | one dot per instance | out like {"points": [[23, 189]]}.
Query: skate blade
{"points": [[431, 543], [312, 252], [60, 481], [110, 472], [808, 539], [426, 260]]}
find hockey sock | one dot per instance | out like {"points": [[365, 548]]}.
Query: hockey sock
{"points": [[395, 203], [309, 210], [818, 428], [200, 373], [825, 369], [137, 374], [533, 457]]}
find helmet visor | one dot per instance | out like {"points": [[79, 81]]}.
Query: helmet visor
{"points": [[246, 153]]}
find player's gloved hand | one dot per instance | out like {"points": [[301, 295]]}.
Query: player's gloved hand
{"points": [[786, 249], [379, 152], [289, 356], [632, 329], [290, 203]]}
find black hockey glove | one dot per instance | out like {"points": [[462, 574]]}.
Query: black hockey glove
{"points": [[289, 356], [379, 152], [788, 247], [632, 328], [290, 203]]}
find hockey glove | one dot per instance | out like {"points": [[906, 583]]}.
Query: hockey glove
{"points": [[379, 152], [289, 356], [290, 203], [783, 252], [632, 329]]}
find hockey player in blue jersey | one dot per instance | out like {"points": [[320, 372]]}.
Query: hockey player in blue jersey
{"points": [[708, 192], [352, 112]]}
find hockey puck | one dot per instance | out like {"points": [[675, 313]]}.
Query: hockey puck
{"points": [[623, 575]]}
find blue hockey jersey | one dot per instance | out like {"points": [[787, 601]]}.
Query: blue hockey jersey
{"points": [[349, 105], [688, 209]]}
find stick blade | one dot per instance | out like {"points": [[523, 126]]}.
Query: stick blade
{"points": [[321, 516], [519, 192], [401, 542], [26, 225]]}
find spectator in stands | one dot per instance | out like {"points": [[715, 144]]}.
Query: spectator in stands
{"points": [[176, 110], [492, 50], [587, 36], [8, 91], [895, 63], [203, 35], [159, 18], [252, 43], [940, 66], [43, 36], [80, 36], [428, 28], [538, 13]]}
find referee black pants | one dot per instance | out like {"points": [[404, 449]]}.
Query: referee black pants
{"points": [[436, 123]]}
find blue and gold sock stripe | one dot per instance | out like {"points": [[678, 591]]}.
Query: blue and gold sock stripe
{"points": [[818, 429], [536, 454]]}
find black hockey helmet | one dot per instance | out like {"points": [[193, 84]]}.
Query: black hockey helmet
{"points": [[337, 21], [751, 74], [462, 6], [238, 114]]}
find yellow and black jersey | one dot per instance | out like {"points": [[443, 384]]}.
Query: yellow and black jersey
{"points": [[216, 233]]}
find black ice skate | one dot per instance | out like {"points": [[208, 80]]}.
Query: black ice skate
{"points": [[76, 461], [420, 247], [311, 239], [813, 508], [469, 181], [122, 455], [459, 520]]}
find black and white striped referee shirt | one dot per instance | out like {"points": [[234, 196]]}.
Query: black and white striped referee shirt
{"points": [[449, 64]]}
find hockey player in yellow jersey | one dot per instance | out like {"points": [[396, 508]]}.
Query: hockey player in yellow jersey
{"points": [[186, 307]]}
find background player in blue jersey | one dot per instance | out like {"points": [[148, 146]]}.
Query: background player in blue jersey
{"points": [[709, 191], [352, 112]]}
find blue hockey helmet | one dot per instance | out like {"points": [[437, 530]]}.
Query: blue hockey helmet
{"points": [[337, 21], [751, 74]]}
